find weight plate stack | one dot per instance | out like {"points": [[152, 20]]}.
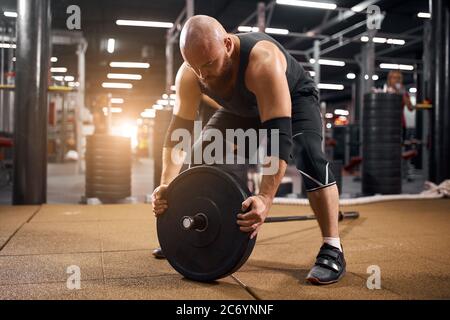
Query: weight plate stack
{"points": [[381, 167], [108, 167]]}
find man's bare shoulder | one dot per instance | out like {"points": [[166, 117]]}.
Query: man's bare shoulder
{"points": [[265, 60]]}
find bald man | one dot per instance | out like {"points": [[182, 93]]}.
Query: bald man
{"points": [[258, 84]]}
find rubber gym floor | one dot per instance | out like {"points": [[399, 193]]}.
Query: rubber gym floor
{"points": [[111, 244]]}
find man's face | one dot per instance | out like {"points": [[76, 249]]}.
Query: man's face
{"points": [[396, 80], [213, 67]]}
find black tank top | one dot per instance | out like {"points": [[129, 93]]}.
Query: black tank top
{"points": [[243, 101]]}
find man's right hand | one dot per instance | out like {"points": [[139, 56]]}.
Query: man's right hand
{"points": [[159, 203]]}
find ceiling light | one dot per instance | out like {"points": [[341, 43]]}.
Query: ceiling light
{"points": [[328, 62], [148, 113], [117, 100], [53, 59], [412, 90], [138, 23], [396, 41], [351, 75], [142, 65], [8, 45], [375, 77], [425, 15], [308, 4], [277, 31], [341, 112], [113, 110], [111, 45], [329, 86], [248, 29], [10, 14], [125, 76], [58, 69], [395, 66], [69, 78], [117, 85]]}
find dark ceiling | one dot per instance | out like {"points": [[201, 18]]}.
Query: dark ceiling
{"points": [[148, 44]]}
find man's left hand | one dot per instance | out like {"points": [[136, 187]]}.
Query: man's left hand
{"points": [[252, 220]]}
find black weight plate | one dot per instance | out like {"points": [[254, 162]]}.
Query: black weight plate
{"points": [[107, 188], [108, 158], [105, 173], [380, 139], [113, 152], [108, 180], [115, 167], [222, 248], [107, 195]]}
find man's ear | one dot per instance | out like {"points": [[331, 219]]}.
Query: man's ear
{"points": [[229, 45]]}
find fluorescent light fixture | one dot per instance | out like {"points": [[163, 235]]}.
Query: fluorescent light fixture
{"points": [[111, 45], [126, 76], [329, 125], [58, 69], [8, 45], [157, 107], [329, 86], [14, 59], [384, 40], [173, 96], [366, 76], [73, 84], [163, 102], [395, 66], [117, 85], [69, 78], [172, 102], [375, 77], [148, 113], [351, 75], [328, 62], [277, 31], [365, 39], [248, 29], [10, 14], [308, 4], [173, 88], [360, 7], [312, 73], [150, 24], [58, 78], [53, 59], [328, 115], [113, 110], [424, 15], [341, 112], [399, 42], [165, 96], [142, 65], [412, 90], [117, 100], [379, 40]]}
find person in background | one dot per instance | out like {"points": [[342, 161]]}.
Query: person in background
{"points": [[395, 85]]}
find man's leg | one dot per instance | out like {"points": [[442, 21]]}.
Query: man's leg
{"points": [[325, 204], [321, 188]]}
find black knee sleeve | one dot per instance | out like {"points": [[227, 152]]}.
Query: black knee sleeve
{"points": [[311, 162]]}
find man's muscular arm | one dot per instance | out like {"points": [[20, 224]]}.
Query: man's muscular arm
{"points": [[188, 97], [266, 78]]}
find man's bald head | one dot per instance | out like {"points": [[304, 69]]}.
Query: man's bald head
{"points": [[201, 33], [207, 49]]}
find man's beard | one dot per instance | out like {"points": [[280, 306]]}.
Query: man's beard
{"points": [[222, 81]]}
